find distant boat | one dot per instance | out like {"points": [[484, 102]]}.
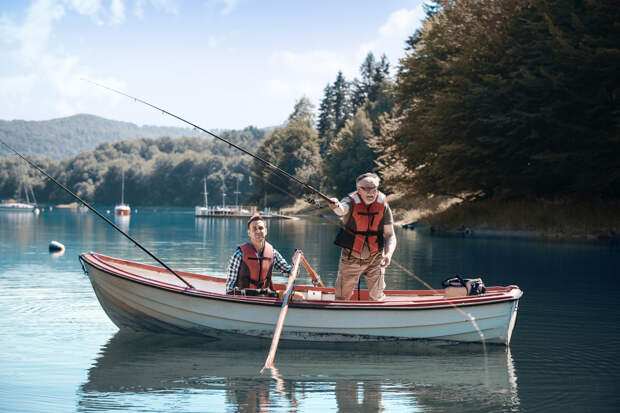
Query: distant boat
{"points": [[202, 211], [234, 212], [16, 206], [122, 209], [218, 211]]}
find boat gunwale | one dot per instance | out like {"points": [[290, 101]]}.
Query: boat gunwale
{"points": [[104, 265]]}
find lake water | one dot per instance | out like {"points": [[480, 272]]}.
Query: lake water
{"points": [[59, 352]]}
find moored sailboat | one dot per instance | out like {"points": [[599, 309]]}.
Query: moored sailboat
{"points": [[17, 206], [122, 209]]}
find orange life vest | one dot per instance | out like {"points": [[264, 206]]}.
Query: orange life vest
{"points": [[255, 271], [363, 225]]}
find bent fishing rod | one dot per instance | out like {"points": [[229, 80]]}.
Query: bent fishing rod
{"points": [[98, 214], [258, 158]]}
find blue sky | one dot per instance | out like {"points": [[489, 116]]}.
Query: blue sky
{"points": [[222, 64]]}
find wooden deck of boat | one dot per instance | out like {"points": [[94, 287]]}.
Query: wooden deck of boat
{"points": [[218, 285]]}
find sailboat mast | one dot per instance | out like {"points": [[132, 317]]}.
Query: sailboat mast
{"points": [[204, 180], [123, 187], [237, 195], [26, 192]]}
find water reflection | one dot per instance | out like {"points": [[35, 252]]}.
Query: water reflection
{"points": [[122, 221], [132, 367], [57, 254]]}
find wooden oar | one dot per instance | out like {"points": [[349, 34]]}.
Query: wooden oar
{"points": [[316, 280], [289, 289]]}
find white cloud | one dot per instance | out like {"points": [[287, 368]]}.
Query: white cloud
{"points": [[40, 63], [86, 7], [293, 75], [117, 10], [33, 35], [17, 89], [392, 34], [167, 6], [314, 61], [139, 9], [229, 6]]}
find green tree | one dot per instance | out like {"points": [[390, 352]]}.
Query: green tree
{"points": [[295, 149], [342, 110], [326, 125], [350, 154], [510, 99]]}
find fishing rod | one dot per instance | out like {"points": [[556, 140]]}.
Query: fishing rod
{"points": [[98, 213], [258, 158]]}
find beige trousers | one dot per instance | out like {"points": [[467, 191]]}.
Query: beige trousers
{"points": [[349, 271]]}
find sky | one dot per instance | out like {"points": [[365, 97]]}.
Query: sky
{"points": [[221, 64]]}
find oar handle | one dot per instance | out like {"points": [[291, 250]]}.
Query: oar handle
{"points": [[289, 289]]}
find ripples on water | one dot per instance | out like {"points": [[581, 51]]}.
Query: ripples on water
{"points": [[59, 352]]}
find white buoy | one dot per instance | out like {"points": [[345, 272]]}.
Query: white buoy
{"points": [[56, 246]]}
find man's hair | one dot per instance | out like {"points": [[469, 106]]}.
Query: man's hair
{"points": [[367, 175], [255, 218]]}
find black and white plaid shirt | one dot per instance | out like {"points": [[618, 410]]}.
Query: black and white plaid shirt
{"points": [[279, 263]]}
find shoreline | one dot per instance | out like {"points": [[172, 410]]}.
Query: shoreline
{"points": [[578, 221]]}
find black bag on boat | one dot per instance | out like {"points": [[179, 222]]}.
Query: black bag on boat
{"points": [[255, 292], [459, 287]]}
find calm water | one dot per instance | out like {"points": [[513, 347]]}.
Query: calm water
{"points": [[59, 352]]}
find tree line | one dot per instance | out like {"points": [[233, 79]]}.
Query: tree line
{"points": [[503, 99], [161, 171]]}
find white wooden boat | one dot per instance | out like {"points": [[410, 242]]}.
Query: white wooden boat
{"points": [[142, 297]]}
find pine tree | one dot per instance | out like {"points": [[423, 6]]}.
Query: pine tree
{"points": [[351, 154], [295, 149], [342, 110], [326, 126]]}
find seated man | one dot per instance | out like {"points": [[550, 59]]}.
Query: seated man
{"points": [[249, 268]]}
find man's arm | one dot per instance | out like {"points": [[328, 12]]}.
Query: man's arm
{"points": [[339, 208], [233, 270], [280, 263], [390, 244]]}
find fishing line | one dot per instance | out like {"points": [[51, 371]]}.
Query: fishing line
{"points": [[275, 168], [32, 164], [269, 164], [468, 316]]}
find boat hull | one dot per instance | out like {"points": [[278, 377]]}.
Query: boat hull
{"points": [[17, 207], [142, 306], [122, 210]]}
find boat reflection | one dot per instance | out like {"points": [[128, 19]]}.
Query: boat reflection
{"points": [[122, 221], [355, 378]]}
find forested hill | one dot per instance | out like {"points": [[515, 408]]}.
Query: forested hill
{"points": [[162, 171], [64, 137]]}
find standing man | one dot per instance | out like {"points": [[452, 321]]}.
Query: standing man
{"points": [[367, 238], [250, 267]]}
